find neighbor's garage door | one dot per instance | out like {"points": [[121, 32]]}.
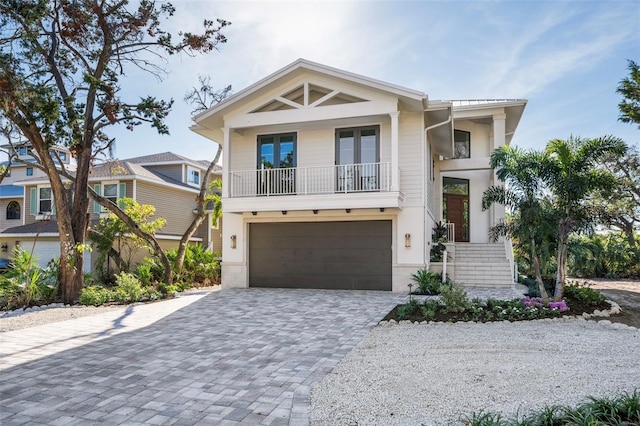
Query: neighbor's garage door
{"points": [[331, 255]]}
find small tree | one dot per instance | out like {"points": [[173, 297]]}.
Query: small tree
{"points": [[202, 98], [113, 237], [570, 170], [523, 196]]}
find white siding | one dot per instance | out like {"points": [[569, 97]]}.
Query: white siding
{"points": [[411, 158]]}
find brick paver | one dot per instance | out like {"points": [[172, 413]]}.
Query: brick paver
{"points": [[231, 357]]}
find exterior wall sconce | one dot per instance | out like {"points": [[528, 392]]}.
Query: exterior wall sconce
{"points": [[348, 210], [407, 240], [4, 247], [315, 212], [254, 213], [284, 212], [233, 241], [381, 209]]}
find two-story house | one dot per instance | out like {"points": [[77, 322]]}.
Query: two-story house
{"points": [[167, 181], [22, 166], [336, 180]]}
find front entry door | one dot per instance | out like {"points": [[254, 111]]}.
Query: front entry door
{"points": [[457, 212]]}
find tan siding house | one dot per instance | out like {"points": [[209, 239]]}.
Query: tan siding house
{"points": [[173, 198]]}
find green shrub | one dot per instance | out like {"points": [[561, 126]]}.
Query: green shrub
{"points": [[454, 298], [584, 293], [404, 311], [128, 288], [429, 309], [94, 295], [427, 281]]}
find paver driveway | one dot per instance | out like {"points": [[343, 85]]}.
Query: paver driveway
{"points": [[234, 356]]}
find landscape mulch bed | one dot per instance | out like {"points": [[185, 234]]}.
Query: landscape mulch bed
{"points": [[576, 308]]}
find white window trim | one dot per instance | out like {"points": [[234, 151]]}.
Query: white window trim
{"points": [[103, 210], [193, 169], [43, 215]]}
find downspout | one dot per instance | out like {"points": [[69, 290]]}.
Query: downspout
{"points": [[427, 255]]}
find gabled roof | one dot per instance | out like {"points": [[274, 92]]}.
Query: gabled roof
{"points": [[128, 170], [282, 75], [169, 158]]}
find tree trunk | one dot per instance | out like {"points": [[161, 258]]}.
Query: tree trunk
{"points": [[201, 214], [536, 266], [562, 266]]}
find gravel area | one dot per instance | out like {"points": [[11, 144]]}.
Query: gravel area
{"points": [[31, 317], [20, 319], [432, 374]]}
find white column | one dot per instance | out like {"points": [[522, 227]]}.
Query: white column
{"points": [[499, 140], [226, 162], [395, 168]]}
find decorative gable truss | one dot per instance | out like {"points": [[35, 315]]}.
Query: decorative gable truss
{"points": [[308, 95]]}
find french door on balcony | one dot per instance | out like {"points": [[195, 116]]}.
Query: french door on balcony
{"points": [[358, 159], [276, 164]]}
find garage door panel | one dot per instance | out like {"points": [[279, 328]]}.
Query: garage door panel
{"points": [[331, 255]]}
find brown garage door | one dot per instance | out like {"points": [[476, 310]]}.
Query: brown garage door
{"points": [[331, 255]]}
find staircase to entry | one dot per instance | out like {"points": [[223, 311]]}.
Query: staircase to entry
{"points": [[482, 265]]}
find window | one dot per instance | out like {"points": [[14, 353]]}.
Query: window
{"points": [[44, 200], [22, 150], [276, 164], [13, 210], [63, 156], [29, 171], [358, 159], [110, 192], [462, 144], [193, 176]]}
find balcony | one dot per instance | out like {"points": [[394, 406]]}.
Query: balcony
{"points": [[319, 187]]}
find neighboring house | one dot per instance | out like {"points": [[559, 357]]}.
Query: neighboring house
{"points": [[22, 167], [335, 180], [167, 181]]}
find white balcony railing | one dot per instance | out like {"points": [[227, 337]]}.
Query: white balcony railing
{"points": [[348, 178]]}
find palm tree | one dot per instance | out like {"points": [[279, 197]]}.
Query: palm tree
{"points": [[570, 169], [523, 195]]}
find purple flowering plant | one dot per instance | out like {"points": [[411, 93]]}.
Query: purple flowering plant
{"points": [[536, 302]]}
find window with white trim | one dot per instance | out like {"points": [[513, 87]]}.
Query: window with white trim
{"points": [[110, 192], [193, 176], [45, 200], [29, 171]]}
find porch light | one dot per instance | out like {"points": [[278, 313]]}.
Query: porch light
{"points": [[348, 210], [254, 213], [233, 241], [315, 212], [407, 240], [4, 247], [284, 212]]}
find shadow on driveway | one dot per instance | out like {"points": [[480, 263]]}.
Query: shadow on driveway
{"points": [[235, 356]]}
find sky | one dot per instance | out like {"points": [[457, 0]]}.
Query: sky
{"points": [[566, 57]]}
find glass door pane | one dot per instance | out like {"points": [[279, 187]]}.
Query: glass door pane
{"points": [[267, 155], [368, 169], [346, 158]]}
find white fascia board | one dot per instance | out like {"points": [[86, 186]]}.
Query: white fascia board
{"points": [[30, 234], [368, 200]]}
